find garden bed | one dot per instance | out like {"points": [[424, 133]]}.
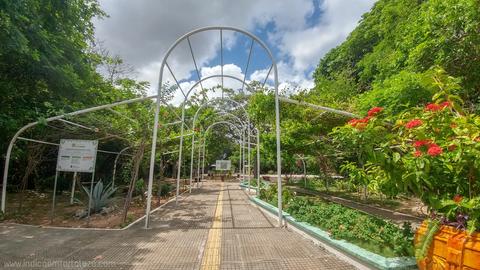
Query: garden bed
{"points": [[36, 210], [375, 241]]}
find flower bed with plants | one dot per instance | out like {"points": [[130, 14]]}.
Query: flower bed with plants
{"points": [[430, 152], [373, 234]]}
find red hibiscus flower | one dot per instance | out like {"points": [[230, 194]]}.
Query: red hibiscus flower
{"points": [[433, 107], [374, 111], [414, 123], [417, 153], [457, 198], [434, 150]]}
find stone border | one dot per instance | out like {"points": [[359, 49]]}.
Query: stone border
{"points": [[365, 256]]}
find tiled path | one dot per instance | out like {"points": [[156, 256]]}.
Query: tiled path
{"points": [[213, 228]]}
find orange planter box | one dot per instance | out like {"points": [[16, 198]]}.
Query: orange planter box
{"points": [[451, 249]]}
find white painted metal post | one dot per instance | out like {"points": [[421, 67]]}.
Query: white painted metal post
{"points": [[258, 161], [279, 152], [203, 162], [90, 198], [180, 150], [240, 159], [248, 157], [152, 156], [198, 162], [54, 197], [191, 161], [74, 182]]}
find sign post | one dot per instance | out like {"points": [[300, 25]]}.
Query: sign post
{"points": [[76, 156], [223, 165]]}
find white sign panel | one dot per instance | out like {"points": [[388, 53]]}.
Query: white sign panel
{"points": [[223, 165], [77, 155]]}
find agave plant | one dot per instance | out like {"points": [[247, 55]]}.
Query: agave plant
{"points": [[100, 196]]}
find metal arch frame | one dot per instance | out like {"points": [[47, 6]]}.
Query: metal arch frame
{"points": [[203, 106], [241, 133], [177, 193], [115, 163], [257, 132], [50, 119], [241, 140], [157, 110], [242, 123]]}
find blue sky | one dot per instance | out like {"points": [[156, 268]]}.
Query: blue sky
{"points": [[299, 32]]}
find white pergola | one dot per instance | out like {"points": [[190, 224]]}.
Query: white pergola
{"points": [[244, 126]]}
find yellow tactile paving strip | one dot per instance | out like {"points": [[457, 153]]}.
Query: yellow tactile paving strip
{"points": [[211, 255]]}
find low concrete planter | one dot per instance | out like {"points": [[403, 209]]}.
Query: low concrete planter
{"points": [[366, 257]]}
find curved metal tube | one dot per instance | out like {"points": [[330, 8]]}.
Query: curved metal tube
{"points": [[157, 110]]}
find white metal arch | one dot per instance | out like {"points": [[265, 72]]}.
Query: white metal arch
{"points": [[180, 147], [195, 119], [241, 133], [159, 92]]}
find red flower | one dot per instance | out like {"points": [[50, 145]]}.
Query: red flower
{"points": [[359, 123], [457, 198], [414, 123], [420, 143], [446, 104], [417, 153], [353, 122], [374, 111], [433, 107], [434, 150]]}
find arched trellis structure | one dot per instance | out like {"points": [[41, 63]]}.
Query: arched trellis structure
{"points": [[241, 143], [241, 133], [209, 102], [164, 63], [199, 82]]}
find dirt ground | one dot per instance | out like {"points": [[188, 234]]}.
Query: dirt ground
{"points": [[35, 209]]}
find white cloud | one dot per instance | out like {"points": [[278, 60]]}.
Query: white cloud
{"points": [[141, 31], [338, 19]]}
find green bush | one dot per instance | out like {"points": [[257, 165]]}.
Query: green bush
{"points": [[401, 91], [164, 189]]}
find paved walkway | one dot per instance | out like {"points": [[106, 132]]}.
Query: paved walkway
{"points": [[213, 228]]}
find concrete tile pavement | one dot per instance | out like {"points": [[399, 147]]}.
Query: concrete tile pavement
{"points": [[213, 228]]}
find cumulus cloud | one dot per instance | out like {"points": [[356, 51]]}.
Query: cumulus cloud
{"points": [[141, 32]]}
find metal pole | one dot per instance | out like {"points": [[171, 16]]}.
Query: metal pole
{"points": [[191, 160], [203, 161], [198, 162], [258, 161], [180, 150], [248, 153], [152, 156], [240, 158], [73, 187], [243, 159], [90, 198], [279, 151], [54, 197], [115, 164], [304, 171]]}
